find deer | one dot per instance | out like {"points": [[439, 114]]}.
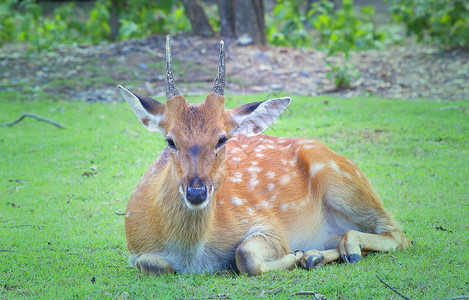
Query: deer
{"points": [[223, 196]]}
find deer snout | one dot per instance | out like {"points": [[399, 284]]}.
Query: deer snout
{"points": [[196, 193], [196, 196]]}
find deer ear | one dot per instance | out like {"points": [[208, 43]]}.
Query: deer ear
{"points": [[149, 111], [253, 118]]}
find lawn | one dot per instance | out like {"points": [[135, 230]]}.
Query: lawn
{"points": [[62, 192]]}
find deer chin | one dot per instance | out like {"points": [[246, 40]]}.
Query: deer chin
{"points": [[200, 206]]}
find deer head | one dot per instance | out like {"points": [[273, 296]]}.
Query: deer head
{"points": [[196, 134]]}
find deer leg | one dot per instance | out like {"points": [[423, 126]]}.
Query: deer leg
{"points": [[315, 259], [151, 264], [353, 243], [259, 253]]}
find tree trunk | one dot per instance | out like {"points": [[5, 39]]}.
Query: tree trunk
{"points": [[249, 20], [196, 14], [227, 21], [114, 24]]}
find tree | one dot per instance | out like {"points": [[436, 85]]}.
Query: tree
{"points": [[243, 19], [196, 15]]}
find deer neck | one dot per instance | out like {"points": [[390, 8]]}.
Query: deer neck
{"points": [[180, 223]]}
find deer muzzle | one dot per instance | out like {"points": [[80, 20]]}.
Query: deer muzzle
{"points": [[196, 196]]}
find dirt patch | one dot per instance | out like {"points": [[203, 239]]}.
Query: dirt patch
{"points": [[91, 72]]}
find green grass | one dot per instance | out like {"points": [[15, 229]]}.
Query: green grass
{"points": [[414, 152]]}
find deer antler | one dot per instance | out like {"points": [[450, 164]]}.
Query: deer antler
{"points": [[171, 89], [219, 84]]}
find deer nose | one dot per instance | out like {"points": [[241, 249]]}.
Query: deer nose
{"points": [[196, 195]]}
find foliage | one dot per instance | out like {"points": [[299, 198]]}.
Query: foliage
{"points": [[343, 74], [287, 25], [25, 21], [70, 183], [343, 30], [141, 18], [445, 22], [338, 31]]}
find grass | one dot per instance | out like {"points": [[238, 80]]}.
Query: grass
{"points": [[69, 184]]}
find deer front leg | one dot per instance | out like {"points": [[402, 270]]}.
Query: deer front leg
{"points": [[151, 264], [260, 253], [315, 259]]}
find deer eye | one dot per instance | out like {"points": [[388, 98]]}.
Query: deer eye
{"points": [[171, 144], [221, 142]]}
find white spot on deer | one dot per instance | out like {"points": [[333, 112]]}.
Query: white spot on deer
{"points": [[315, 169], [303, 203], [351, 162], [244, 221], [287, 147], [254, 162], [358, 173], [220, 202], [237, 177], [284, 161], [347, 175], [257, 149], [334, 166], [259, 155], [271, 146], [270, 175], [292, 162], [238, 201], [261, 147], [128, 214], [270, 186], [283, 207], [272, 199], [233, 150], [309, 146], [250, 211], [285, 179], [263, 205], [236, 159], [254, 170], [244, 146], [253, 182]]}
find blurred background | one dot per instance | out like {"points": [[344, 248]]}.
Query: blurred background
{"points": [[394, 48]]}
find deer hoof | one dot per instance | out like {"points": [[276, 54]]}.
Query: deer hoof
{"points": [[313, 261], [351, 258]]}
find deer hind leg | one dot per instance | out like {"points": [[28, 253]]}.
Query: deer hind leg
{"points": [[260, 253], [353, 245], [150, 264]]}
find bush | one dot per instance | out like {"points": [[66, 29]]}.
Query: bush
{"points": [[22, 20], [338, 31], [343, 30], [287, 25], [444, 22]]}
